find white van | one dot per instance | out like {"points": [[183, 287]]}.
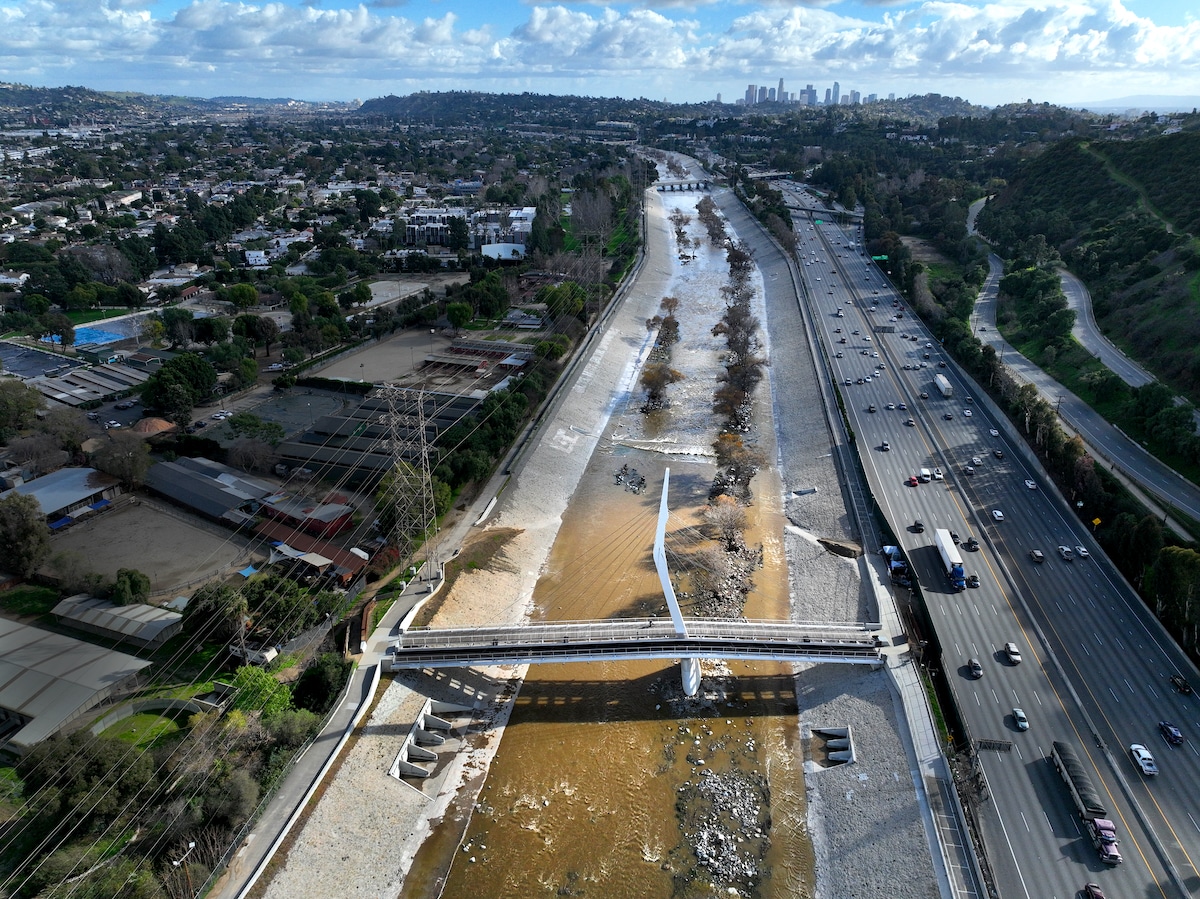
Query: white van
{"points": [[925, 476]]}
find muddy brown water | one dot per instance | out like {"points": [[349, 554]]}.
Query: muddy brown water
{"points": [[608, 782]]}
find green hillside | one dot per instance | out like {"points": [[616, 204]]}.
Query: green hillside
{"points": [[1125, 217]]}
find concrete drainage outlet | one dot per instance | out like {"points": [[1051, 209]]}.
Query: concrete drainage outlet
{"points": [[831, 746]]}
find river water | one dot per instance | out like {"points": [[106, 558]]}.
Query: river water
{"points": [[608, 781]]}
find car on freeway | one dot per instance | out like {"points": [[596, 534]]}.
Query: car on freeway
{"points": [[848, 382], [912, 480], [1170, 732], [1020, 719], [937, 474], [871, 408], [1082, 553], [973, 580], [949, 416], [929, 346], [954, 537], [999, 454], [911, 423], [919, 526], [1037, 555], [941, 363], [975, 668], [975, 460], [966, 413], [1030, 484], [1012, 653], [1066, 553], [969, 469], [839, 355], [1090, 890], [972, 544], [885, 446], [997, 515], [1181, 685], [868, 380], [1143, 758], [994, 432], [855, 332], [891, 406], [901, 406]]}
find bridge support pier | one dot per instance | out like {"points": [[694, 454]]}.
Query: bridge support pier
{"points": [[690, 669]]}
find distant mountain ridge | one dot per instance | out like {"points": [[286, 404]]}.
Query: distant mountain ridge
{"points": [[1143, 102]]}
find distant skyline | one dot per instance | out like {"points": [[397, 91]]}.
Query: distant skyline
{"points": [[1065, 52]]}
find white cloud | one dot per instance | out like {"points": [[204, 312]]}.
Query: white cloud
{"points": [[683, 49]]}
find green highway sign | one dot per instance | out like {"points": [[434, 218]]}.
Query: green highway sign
{"points": [[879, 257]]}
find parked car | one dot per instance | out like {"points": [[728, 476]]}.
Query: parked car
{"points": [[1170, 732], [1143, 758], [112, 425]]}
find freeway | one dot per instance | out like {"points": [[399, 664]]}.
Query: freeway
{"points": [[1095, 663]]}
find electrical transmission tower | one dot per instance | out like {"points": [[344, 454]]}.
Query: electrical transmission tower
{"points": [[410, 517]]}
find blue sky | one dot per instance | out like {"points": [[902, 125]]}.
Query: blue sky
{"points": [[1060, 51]]}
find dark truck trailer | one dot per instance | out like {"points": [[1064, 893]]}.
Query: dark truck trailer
{"points": [[1101, 831]]}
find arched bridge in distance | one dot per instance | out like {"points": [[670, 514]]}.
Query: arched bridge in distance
{"points": [[677, 637]]}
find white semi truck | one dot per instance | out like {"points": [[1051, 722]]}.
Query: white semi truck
{"points": [[944, 385]]}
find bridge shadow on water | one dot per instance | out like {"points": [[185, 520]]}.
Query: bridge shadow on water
{"points": [[652, 695]]}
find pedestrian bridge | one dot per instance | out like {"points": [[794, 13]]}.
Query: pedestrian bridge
{"points": [[632, 638], [677, 637]]}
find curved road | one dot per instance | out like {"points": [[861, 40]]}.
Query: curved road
{"points": [[1105, 441]]}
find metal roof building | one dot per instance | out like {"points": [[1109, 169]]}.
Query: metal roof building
{"points": [[48, 680], [70, 492], [140, 624]]}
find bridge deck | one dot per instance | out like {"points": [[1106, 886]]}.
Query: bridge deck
{"points": [[644, 638]]}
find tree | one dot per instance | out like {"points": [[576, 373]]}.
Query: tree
{"points": [[211, 329], [40, 451], [217, 609], [459, 315], [19, 406], [131, 586], [321, 683], [178, 323], [126, 457], [242, 296], [24, 535], [68, 426], [258, 690], [55, 324]]}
